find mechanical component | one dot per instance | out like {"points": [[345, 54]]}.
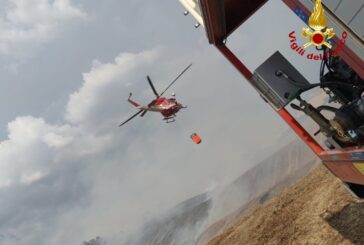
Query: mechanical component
{"points": [[344, 86], [315, 114], [279, 83], [360, 106], [341, 81], [340, 132]]}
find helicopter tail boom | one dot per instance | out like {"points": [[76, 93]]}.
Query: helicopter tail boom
{"points": [[133, 102]]}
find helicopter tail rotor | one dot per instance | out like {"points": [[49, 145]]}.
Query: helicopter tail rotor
{"points": [[133, 102]]}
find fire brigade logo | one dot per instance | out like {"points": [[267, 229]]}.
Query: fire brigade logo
{"points": [[318, 33]]}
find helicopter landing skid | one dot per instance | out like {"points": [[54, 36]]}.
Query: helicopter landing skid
{"points": [[169, 119]]}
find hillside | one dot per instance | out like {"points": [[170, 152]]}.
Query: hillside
{"points": [[186, 222], [315, 210]]}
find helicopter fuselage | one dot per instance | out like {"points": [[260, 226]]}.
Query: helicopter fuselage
{"points": [[167, 107]]}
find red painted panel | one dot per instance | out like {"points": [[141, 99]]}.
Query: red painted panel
{"points": [[346, 171], [214, 19], [346, 154], [235, 61], [238, 11], [300, 131], [222, 17]]}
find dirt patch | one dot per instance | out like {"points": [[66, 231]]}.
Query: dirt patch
{"points": [[315, 210], [349, 222]]}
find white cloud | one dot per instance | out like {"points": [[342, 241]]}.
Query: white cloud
{"points": [[33, 21], [85, 170], [75, 169], [32, 177], [42, 162], [104, 84], [5, 182], [57, 140]]}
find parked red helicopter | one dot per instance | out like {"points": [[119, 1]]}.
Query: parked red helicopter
{"points": [[167, 107]]}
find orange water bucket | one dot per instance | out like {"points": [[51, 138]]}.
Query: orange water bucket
{"points": [[196, 138]]}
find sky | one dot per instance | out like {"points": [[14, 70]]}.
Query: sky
{"points": [[68, 173]]}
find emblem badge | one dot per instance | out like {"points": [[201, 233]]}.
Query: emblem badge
{"points": [[318, 33]]}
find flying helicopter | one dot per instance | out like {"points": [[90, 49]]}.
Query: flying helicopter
{"points": [[168, 107]]}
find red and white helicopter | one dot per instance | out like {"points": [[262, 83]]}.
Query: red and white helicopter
{"points": [[167, 107]]}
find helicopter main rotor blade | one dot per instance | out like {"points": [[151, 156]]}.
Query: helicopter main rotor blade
{"points": [[188, 67], [152, 86], [136, 114]]}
